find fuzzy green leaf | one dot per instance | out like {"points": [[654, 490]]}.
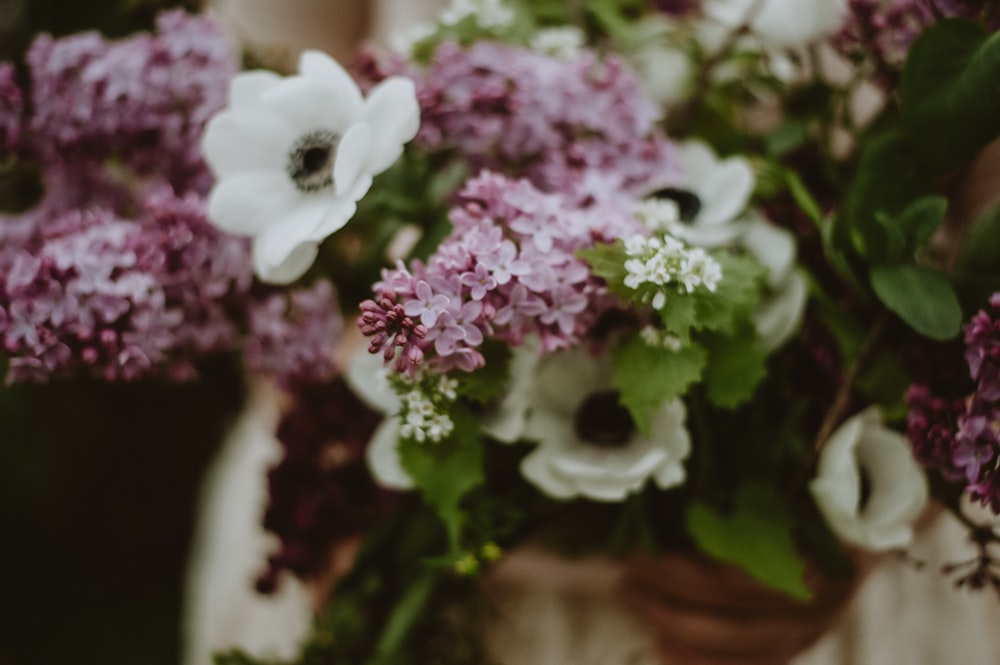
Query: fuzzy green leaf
{"points": [[607, 261], [922, 298], [756, 536], [445, 472], [734, 298], [736, 365], [647, 376]]}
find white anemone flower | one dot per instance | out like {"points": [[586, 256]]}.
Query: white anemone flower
{"points": [[779, 315], [868, 486], [780, 23], [368, 378], [588, 444], [292, 156], [711, 195]]}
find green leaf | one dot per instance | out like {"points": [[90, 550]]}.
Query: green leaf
{"points": [[487, 383], [736, 365], [888, 179], [922, 298], [756, 536], [949, 88], [913, 227], [405, 616], [446, 471], [647, 376], [734, 298], [679, 315], [803, 197], [980, 251], [607, 261]]}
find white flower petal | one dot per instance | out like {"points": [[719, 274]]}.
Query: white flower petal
{"points": [[383, 457], [321, 68], [787, 23], [507, 421], [294, 264], [724, 191], [309, 106], [338, 213], [777, 318], [536, 468], [393, 114], [367, 376], [248, 139], [352, 157], [898, 487], [563, 465], [772, 246], [247, 87], [708, 236], [248, 203], [284, 247], [697, 161]]}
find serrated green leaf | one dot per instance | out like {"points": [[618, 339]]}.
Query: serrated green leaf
{"points": [[607, 261], [647, 376], [445, 472], [922, 298], [737, 293], [756, 536], [679, 315], [736, 365]]}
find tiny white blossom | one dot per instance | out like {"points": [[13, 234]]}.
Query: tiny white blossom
{"points": [[404, 41], [487, 13], [563, 42], [635, 245], [660, 338], [658, 215], [659, 300]]}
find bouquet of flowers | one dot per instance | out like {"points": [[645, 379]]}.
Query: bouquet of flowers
{"points": [[648, 276]]}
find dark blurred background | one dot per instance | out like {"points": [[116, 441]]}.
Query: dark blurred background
{"points": [[98, 482]]}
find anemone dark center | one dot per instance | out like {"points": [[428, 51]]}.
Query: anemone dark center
{"points": [[310, 163], [688, 203], [602, 420]]}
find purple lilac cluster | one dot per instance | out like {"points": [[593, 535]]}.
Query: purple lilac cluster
{"points": [[117, 273], [883, 31], [293, 334], [580, 126], [960, 438], [320, 492], [143, 100], [11, 108], [509, 268], [115, 298]]}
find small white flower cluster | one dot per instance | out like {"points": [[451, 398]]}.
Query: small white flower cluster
{"points": [[663, 260], [564, 42], [487, 13], [421, 420], [657, 337], [658, 215]]}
